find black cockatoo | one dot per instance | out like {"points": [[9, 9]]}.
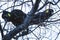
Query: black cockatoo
{"points": [[16, 17], [42, 16]]}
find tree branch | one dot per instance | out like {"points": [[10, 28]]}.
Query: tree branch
{"points": [[48, 3]]}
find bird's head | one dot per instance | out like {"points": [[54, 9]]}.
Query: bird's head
{"points": [[6, 15], [49, 11]]}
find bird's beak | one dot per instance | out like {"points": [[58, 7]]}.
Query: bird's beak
{"points": [[9, 14], [47, 11]]}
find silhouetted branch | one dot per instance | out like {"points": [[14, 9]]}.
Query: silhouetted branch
{"points": [[1, 30], [57, 36], [55, 2], [16, 5], [3, 4], [46, 4]]}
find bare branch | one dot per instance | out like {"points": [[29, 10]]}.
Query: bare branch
{"points": [[48, 3], [16, 5]]}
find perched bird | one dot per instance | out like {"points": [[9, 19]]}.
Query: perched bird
{"points": [[42, 16], [16, 17]]}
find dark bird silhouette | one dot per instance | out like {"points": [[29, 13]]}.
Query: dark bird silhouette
{"points": [[42, 16], [16, 17]]}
